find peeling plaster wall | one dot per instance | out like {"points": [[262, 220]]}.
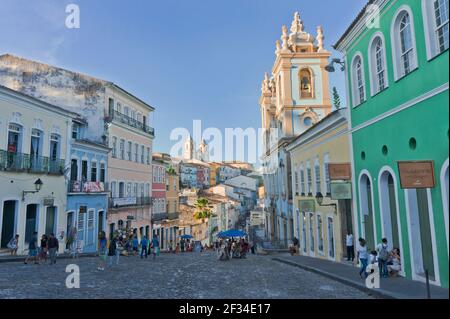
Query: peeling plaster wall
{"points": [[72, 91]]}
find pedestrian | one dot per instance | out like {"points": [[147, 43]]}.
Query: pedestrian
{"points": [[155, 246], [296, 242], [112, 250], [102, 244], [13, 245], [53, 246], [383, 256], [171, 247], [394, 264], [144, 247], [119, 248], [177, 248], [32, 249], [135, 243], [350, 246], [73, 242], [182, 244], [44, 248], [361, 255]]}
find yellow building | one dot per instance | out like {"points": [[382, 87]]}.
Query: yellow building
{"points": [[321, 188]]}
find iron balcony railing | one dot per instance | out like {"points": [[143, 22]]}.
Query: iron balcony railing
{"points": [[19, 162], [172, 216], [159, 216], [119, 202], [125, 119]]}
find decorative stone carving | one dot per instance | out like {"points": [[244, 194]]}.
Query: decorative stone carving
{"points": [[297, 24], [278, 47], [284, 39], [265, 86], [56, 130], [37, 124], [16, 118], [320, 37]]}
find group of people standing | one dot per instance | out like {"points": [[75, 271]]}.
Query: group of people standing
{"points": [[110, 251], [37, 252], [388, 261], [231, 248]]}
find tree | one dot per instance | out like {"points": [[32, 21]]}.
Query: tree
{"points": [[336, 98], [202, 209]]}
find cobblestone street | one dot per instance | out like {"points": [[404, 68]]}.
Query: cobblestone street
{"points": [[189, 275]]}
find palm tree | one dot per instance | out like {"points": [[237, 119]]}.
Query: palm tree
{"points": [[202, 209]]}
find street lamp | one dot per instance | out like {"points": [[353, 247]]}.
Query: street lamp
{"points": [[319, 199], [37, 186], [330, 67]]}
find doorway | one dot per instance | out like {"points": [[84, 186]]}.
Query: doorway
{"points": [[50, 220], [388, 201], [8, 222], [31, 221], [365, 189], [421, 240]]}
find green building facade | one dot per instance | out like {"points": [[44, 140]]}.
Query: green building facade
{"points": [[396, 64]]}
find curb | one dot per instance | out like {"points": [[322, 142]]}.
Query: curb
{"points": [[22, 258], [377, 292]]}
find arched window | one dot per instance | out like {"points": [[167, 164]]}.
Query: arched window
{"points": [[435, 18], [403, 40], [306, 83], [377, 64], [359, 89]]}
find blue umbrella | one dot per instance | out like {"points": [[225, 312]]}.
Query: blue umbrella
{"points": [[232, 233], [186, 236]]}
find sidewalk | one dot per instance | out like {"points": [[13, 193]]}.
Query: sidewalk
{"points": [[392, 288], [21, 258]]}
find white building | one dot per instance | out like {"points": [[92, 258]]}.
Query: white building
{"points": [[34, 150]]}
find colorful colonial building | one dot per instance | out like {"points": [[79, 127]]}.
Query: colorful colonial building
{"points": [[397, 79], [34, 154], [293, 98], [322, 217]]}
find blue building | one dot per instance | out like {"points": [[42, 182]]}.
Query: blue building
{"points": [[87, 196]]}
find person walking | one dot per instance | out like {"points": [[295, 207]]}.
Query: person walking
{"points": [[32, 249], [383, 256], [43, 249], [135, 243], [119, 248], [350, 246], [73, 240], [362, 257], [102, 244], [13, 245], [112, 250], [182, 245], [144, 247], [53, 245], [155, 246]]}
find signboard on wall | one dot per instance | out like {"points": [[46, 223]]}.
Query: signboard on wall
{"points": [[340, 171], [307, 205], [49, 201], [341, 190], [416, 174]]}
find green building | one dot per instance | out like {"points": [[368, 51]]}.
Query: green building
{"points": [[396, 64]]}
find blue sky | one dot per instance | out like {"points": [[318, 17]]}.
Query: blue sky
{"points": [[198, 59]]}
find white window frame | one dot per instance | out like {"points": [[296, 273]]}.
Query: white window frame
{"points": [[430, 28], [399, 73], [354, 76], [326, 174], [373, 64], [317, 176]]}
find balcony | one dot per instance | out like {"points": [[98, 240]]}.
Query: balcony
{"points": [[121, 202], [173, 216], [19, 162], [86, 187], [159, 216], [125, 119]]}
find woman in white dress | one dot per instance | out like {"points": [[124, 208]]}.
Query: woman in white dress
{"points": [[394, 265]]}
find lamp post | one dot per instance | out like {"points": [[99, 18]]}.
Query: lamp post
{"points": [[319, 200], [330, 67], [37, 185]]}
